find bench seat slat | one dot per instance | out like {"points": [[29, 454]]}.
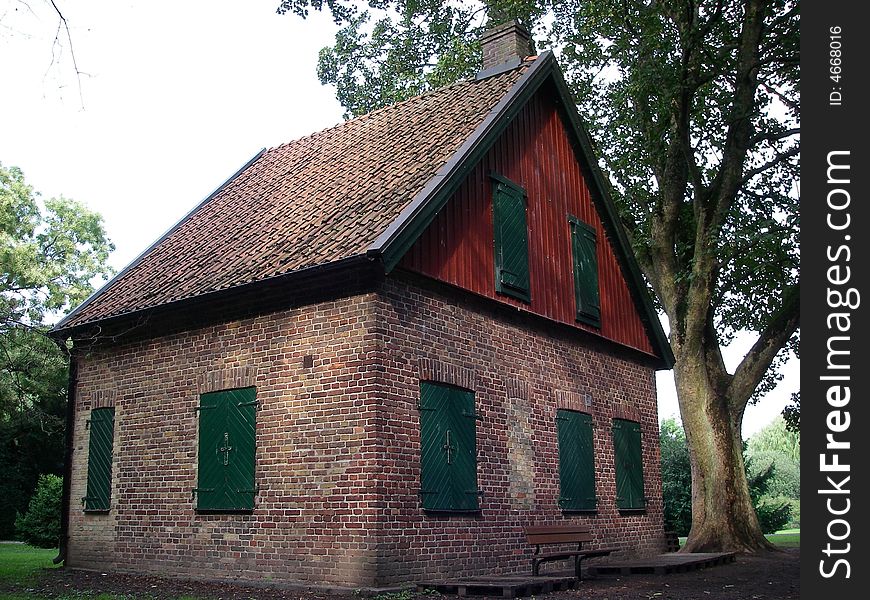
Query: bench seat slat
{"points": [[559, 538]]}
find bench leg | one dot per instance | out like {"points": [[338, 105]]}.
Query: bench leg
{"points": [[577, 573], [535, 567]]}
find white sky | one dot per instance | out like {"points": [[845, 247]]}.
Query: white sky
{"points": [[176, 96]]}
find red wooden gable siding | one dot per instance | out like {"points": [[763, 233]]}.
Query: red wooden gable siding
{"points": [[458, 246]]}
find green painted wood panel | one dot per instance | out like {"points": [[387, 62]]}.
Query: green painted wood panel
{"points": [[100, 446], [448, 447], [511, 240], [629, 465], [576, 461], [227, 450], [586, 290]]}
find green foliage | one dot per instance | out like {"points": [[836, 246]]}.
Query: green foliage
{"points": [[776, 437], [405, 594], [396, 50], [774, 509], [40, 525], [785, 479], [676, 478], [777, 448], [773, 513], [50, 251], [792, 413]]}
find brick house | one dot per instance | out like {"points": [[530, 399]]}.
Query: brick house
{"points": [[373, 354]]}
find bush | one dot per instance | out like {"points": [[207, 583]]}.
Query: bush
{"points": [[676, 478], [773, 514], [785, 479], [795, 521], [40, 525]]}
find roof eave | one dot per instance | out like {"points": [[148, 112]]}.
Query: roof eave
{"points": [[60, 326], [347, 277]]}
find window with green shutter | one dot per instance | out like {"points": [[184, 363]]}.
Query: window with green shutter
{"points": [[511, 239], [448, 444], [102, 435], [629, 465], [586, 293], [227, 450], [576, 461]]}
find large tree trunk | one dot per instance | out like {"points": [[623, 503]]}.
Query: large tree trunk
{"points": [[723, 518]]}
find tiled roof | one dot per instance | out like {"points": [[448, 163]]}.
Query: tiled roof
{"points": [[316, 200]]}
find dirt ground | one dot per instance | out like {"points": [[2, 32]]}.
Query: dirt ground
{"points": [[769, 576]]}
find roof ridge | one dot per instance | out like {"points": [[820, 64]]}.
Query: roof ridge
{"points": [[473, 80]]}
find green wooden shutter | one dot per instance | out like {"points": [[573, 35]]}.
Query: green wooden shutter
{"points": [[586, 292], [464, 468], [435, 485], [576, 461], [511, 240], [448, 446], [629, 464], [227, 450], [99, 487]]}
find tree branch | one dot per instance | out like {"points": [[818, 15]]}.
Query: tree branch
{"points": [[775, 136], [62, 23], [748, 175], [729, 177], [754, 365]]}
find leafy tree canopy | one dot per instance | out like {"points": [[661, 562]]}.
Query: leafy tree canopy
{"points": [[396, 50], [776, 437], [50, 251]]}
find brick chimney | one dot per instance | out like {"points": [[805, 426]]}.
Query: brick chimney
{"points": [[505, 44]]}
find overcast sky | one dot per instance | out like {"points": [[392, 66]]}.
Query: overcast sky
{"points": [[175, 96]]}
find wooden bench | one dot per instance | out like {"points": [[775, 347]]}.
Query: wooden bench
{"points": [[541, 535]]}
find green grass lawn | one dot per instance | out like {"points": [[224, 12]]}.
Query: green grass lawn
{"points": [[20, 563], [786, 538], [20, 566]]}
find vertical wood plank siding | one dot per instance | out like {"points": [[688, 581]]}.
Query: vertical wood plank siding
{"points": [[536, 153]]}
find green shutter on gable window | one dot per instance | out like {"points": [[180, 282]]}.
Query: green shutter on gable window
{"points": [[629, 465], [102, 434], [511, 240], [227, 450], [448, 448], [586, 292], [576, 461]]}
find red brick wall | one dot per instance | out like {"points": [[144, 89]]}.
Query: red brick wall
{"points": [[522, 371], [338, 442], [315, 450]]}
